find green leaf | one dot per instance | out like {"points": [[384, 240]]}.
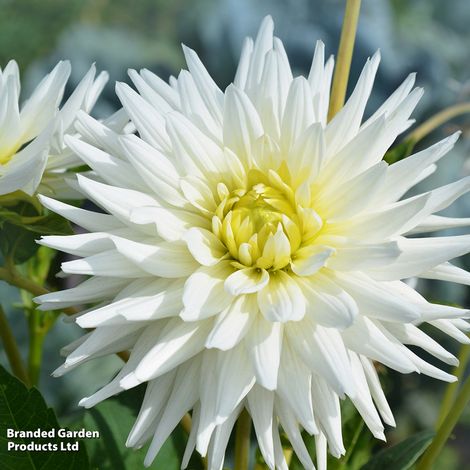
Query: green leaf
{"points": [[20, 225], [114, 419], [399, 152], [46, 224], [21, 410], [17, 243], [402, 455]]}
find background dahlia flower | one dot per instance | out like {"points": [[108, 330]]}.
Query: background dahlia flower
{"points": [[252, 254], [32, 137]]}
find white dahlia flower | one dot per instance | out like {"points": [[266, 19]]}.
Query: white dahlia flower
{"points": [[252, 255], [32, 149]]}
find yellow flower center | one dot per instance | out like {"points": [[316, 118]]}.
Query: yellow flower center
{"points": [[263, 206], [262, 225]]}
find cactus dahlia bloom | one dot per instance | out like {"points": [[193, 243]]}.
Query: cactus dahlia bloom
{"points": [[252, 255], [32, 148]]}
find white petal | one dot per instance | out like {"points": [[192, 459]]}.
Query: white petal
{"points": [[148, 121], [233, 323], [261, 403], [315, 75], [108, 263], [421, 254], [448, 272], [97, 133], [91, 221], [207, 399], [298, 114], [263, 43], [377, 392], [166, 259], [25, 170], [182, 399], [425, 368], [197, 192], [156, 299], [397, 97], [178, 342], [323, 351], [321, 451], [377, 300], [149, 93], [118, 201], [113, 170], [241, 74], [433, 223], [210, 92], [363, 400], [83, 244], [294, 387], [449, 328], [165, 91], [205, 247], [156, 396], [281, 300], [112, 388], [347, 121], [376, 226], [310, 259], [43, 103], [171, 224], [410, 334], [91, 290], [219, 441], [364, 256], [155, 169], [328, 303], [102, 341], [309, 152], [365, 337], [193, 106], [328, 413], [242, 125], [191, 442], [198, 154], [290, 427], [402, 175], [232, 387], [247, 281], [204, 294], [76, 100], [264, 342], [351, 198]]}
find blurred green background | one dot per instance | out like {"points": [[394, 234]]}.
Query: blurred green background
{"points": [[430, 37]]}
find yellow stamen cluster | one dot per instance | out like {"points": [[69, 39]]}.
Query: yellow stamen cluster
{"points": [[262, 224]]}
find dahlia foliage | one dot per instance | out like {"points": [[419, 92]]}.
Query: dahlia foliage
{"points": [[251, 254]]}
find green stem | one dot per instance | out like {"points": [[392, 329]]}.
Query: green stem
{"points": [[444, 431], [452, 387], [355, 439], [37, 333], [345, 51], [11, 349], [437, 120], [15, 279], [242, 441]]}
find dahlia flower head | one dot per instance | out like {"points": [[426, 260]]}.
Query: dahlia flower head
{"points": [[32, 148], [253, 255]]}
